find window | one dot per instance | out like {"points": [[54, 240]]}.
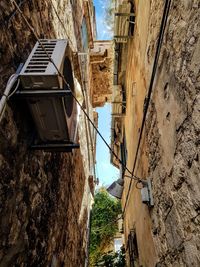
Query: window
{"points": [[124, 153], [84, 35], [118, 244], [132, 248]]}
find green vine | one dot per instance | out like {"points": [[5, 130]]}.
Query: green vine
{"points": [[103, 226]]}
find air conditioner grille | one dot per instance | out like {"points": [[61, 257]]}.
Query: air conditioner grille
{"points": [[40, 60], [38, 71]]}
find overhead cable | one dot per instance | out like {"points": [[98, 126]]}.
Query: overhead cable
{"points": [[85, 113], [155, 64], [75, 98], [62, 24]]}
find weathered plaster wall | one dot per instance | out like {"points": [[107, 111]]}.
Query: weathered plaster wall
{"points": [[40, 193], [169, 233], [173, 138], [136, 216]]}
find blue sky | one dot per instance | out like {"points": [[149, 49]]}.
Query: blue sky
{"points": [[103, 32], [106, 172]]}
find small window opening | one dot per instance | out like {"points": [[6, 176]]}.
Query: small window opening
{"points": [[133, 248]]}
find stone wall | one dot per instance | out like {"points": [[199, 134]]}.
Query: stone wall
{"points": [[173, 137], [167, 234], [40, 193], [101, 59]]}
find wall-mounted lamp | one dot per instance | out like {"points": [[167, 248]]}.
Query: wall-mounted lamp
{"points": [[116, 188]]}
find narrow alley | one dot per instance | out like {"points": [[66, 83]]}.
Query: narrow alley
{"points": [[56, 72]]}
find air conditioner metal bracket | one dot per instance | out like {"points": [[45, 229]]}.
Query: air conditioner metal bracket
{"points": [[43, 93], [61, 146], [56, 147]]}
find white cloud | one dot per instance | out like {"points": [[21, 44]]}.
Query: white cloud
{"points": [[104, 30]]}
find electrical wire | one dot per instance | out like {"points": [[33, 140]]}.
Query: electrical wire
{"points": [[157, 54], [75, 98], [62, 24], [162, 29], [85, 113], [160, 39], [9, 17], [159, 44]]}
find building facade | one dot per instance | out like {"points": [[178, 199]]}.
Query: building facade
{"points": [[45, 196], [161, 132]]}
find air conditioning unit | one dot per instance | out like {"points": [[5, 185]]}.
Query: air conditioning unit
{"points": [[50, 100]]}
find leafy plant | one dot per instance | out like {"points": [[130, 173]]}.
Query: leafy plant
{"points": [[103, 223], [112, 259]]}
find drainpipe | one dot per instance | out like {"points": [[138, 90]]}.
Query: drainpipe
{"points": [[6, 95], [88, 239], [9, 86]]}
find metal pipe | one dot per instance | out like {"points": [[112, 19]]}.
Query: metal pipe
{"points": [[87, 260], [6, 93]]}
